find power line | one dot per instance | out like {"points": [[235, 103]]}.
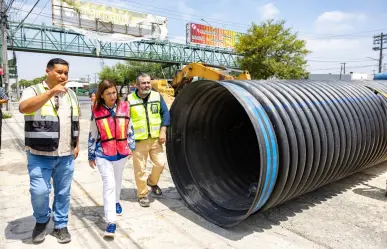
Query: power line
{"points": [[22, 5], [339, 59], [324, 36], [247, 26], [9, 5], [336, 61], [335, 68], [312, 36], [40, 11], [48, 15], [27, 15], [164, 10]]}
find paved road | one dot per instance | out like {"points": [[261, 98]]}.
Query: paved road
{"points": [[351, 213]]}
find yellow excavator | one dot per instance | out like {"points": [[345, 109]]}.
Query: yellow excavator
{"points": [[171, 88]]}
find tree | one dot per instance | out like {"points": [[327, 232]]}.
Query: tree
{"points": [[26, 83], [271, 50], [111, 73], [23, 83], [14, 86], [125, 73]]}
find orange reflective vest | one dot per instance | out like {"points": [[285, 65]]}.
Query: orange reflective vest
{"points": [[113, 130]]}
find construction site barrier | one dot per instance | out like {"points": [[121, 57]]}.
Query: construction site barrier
{"points": [[235, 148]]}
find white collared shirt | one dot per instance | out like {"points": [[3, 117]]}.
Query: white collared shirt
{"points": [[64, 113]]}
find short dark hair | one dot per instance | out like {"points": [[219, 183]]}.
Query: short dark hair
{"points": [[142, 75], [53, 62]]}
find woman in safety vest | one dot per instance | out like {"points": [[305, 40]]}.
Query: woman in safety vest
{"points": [[111, 141]]}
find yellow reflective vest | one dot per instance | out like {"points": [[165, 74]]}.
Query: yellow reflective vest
{"points": [[146, 118], [42, 127]]}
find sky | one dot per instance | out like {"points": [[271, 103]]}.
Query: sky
{"points": [[336, 31]]}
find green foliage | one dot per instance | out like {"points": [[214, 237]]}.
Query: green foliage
{"points": [[270, 50], [93, 86], [14, 86], [125, 73], [7, 115], [26, 83]]}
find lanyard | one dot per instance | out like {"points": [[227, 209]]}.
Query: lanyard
{"points": [[69, 100]]}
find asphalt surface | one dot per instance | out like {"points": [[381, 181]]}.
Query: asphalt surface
{"points": [[350, 213]]}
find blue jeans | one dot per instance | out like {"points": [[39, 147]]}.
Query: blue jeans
{"points": [[40, 170]]}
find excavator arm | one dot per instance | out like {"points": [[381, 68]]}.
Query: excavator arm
{"points": [[186, 75], [170, 89], [201, 71], [245, 75]]}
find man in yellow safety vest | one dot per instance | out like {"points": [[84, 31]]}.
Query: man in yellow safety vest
{"points": [[150, 118], [51, 114]]}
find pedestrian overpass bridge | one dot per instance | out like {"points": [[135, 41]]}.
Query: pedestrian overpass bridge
{"points": [[56, 40]]}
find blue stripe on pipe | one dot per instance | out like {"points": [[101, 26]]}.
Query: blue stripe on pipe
{"points": [[320, 102], [271, 178], [275, 158], [253, 105], [269, 139]]}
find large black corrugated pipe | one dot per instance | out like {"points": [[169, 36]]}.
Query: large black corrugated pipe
{"points": [[238, 147]]}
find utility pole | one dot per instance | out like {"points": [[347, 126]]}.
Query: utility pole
{"points": [[5, 48], [341, 69], [344, 66], [379, 41]]}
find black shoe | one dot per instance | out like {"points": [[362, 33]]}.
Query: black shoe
{"points": [[39, 232], [155, 189], [144, 201], [62, 235]]}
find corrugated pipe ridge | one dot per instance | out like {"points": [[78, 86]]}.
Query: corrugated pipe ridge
{"points": [[239, 147]]}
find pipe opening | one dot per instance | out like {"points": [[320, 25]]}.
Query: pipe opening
{"points": [[214, 153], [226, 159]]}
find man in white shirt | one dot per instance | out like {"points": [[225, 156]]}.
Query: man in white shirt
{"points": [[51, 113]]}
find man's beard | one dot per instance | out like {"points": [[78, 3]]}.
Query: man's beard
{"points": [[146, 91]]}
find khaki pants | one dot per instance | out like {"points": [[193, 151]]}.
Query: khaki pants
{"points": [[140, 156]]}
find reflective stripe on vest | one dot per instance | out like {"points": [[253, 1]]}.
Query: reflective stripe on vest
{"points": [[146, 118], [42, 127], [113, 130], [72, 98], [42, 134]]}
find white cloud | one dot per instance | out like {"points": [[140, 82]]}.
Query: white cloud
{"points": [[339, 16], [339, 28], [335, 22], [268, 11], [330, 45], [327, 54]]}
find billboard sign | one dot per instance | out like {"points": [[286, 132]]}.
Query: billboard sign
{"points": [[105, 20], [210, 36]]}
